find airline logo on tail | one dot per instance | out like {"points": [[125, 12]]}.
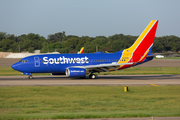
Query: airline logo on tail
{"points": [[81, 51], [139, 50]]}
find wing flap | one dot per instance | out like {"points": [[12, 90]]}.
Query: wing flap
{"points": [[106, 65], [103, 67]]}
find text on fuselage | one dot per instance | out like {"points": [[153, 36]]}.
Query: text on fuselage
{"points": [[64, 60]]}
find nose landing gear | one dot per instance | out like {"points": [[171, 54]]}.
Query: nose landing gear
{"points": [[30, 77]]}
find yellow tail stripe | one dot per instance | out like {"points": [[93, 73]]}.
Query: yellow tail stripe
{"points": [[140, 38], [81, 49]]}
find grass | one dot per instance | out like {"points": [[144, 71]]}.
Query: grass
{"points": [[68, 102], [8, 71]]}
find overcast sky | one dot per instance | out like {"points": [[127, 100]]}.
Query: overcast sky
{"points": [[89, 17]]}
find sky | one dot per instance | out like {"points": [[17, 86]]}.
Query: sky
{"points": [[89, 17]]}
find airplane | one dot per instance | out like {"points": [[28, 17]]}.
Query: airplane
{"points": [[82, 65]]}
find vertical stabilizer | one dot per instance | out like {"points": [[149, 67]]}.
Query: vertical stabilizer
{"points": [[81, 51], [142, 46]]}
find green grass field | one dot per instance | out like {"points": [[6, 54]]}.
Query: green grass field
{"points": [[8, 71], [68, 102]]}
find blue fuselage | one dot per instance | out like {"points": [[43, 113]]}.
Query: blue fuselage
{"points": [[51, 63], [48, 63]]}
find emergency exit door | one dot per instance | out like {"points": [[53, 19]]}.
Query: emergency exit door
{"points": [[36, 61]]}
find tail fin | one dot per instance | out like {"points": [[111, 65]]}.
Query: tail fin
{"points": [[143, 45], [146, 39], [81, 51]]}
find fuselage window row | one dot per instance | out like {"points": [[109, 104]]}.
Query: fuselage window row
{"points": [[23, 61]]}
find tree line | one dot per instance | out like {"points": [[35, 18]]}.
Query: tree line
{"points": [[60, 42]]}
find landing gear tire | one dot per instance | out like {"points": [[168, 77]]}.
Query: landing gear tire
{"points": [[92, 76], [30, 77]]}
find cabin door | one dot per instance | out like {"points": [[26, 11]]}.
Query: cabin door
{"points": [[36, 61]]}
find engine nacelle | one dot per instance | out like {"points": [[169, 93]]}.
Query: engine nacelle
{"points": [[75, 72]]}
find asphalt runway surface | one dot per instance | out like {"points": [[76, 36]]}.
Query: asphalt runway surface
{"points": [[102, 80]]}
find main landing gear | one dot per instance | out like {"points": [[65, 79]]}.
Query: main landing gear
{"points": [[92, 76], [30, 77]]}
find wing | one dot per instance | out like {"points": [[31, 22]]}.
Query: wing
{"points": [[102, 67]]}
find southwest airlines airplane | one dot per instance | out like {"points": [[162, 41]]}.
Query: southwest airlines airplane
{"points": [[80, 65]]}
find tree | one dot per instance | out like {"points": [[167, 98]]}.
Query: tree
{"points": [[31, 49], [2, 36], [45, 48], [57, 37], [5, 45]]}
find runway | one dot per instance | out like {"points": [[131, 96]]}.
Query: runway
{"points": [[102, 80]]}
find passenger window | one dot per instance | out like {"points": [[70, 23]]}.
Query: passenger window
{"points": [[23, 61]]}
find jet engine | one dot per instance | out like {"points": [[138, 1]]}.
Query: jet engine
{"points": [[75, 72]]}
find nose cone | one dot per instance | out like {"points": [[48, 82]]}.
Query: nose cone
{"points": [[16, 66], [13, 66]]}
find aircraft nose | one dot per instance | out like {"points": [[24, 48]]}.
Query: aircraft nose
{"points": [[15, 66]]}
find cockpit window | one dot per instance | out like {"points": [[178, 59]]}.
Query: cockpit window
{"points": [[23, 61]]}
